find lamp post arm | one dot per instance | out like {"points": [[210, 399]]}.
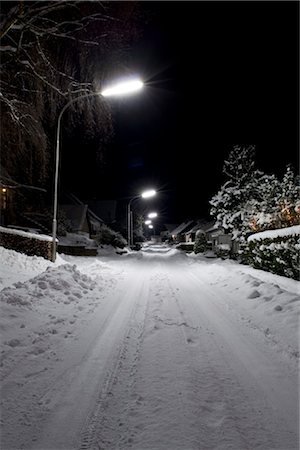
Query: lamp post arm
{"points": [[54, 225]]}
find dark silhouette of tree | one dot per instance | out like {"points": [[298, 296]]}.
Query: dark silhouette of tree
{"points": [[51, 52]]}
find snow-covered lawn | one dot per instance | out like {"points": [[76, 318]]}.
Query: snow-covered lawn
{"points": [[149, 350]]}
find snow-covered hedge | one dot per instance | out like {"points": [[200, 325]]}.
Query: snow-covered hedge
{"points": [[277, 251], [107, 236], [289, 231], [29, 243]]}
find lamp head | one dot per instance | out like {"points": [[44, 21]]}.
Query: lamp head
{"points": [[149, 193], [123, 88]]}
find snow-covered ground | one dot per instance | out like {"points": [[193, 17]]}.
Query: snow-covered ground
{"points": [[151, 350]]}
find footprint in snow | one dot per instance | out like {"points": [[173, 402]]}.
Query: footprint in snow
{"points": [[254, 294]]}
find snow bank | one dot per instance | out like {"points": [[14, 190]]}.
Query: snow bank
{"points": [[39, 314], [271, 234], [16, 266]]}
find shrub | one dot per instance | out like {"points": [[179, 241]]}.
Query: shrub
{"points": [[200, 245], [107, 236], [279, 255], [223, 251]]}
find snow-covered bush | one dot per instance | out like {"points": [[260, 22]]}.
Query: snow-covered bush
{"points": [[107, 236], [200, 245], [222, 250], [279, 254]]}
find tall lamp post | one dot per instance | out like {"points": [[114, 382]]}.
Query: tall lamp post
{"points": [[146, 194], [119, 89]]}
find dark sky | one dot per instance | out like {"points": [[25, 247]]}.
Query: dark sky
{"points": [[217, 74]]}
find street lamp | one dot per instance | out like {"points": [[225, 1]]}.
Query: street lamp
{"points": [[147, 222], [149, 193], [119, 89], [145, 194], [152, 215]]}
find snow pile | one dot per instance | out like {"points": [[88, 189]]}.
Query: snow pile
{"points": [[17, 266], [44, 309], [272, 234]]}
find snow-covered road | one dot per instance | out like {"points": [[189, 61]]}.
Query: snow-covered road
{"points": [[154, 350]]}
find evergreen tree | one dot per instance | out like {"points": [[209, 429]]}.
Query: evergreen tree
{"points": [[236, 201], [289, 199], [200, 243]]}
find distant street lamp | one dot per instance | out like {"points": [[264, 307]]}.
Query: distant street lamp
{"points": [[147, 222], [119, 89], [145, 194]]}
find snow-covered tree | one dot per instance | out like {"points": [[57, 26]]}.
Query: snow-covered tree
{"points": [[289, 199], [279, 205], [200, 245], [240, 164], [236, 201], [266, 192], [254, 201]]}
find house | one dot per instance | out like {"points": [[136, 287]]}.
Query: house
{"points": [[178, 234], [217, 238], [80, 217], [200, 226], [167, 232], [106, 209]]}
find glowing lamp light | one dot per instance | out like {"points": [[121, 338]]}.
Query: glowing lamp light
{"points": [[149, 193], [123, 88], [150, 226], [147, 222], [152, 215]]}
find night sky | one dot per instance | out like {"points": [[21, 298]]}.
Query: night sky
{"points": [[217, 74]]}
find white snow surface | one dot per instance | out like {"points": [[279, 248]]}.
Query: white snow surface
{"points": [[271, 234], [151, 350]]}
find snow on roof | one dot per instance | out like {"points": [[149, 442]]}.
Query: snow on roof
{"points": [[214, 227], [40, 237], [170, 226], [200, 225], [271, 234], [182, 227]]}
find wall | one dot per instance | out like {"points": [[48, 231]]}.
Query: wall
{"points": [[27, 243]]}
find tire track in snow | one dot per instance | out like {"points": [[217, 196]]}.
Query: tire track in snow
{"points": [[102, 427]]}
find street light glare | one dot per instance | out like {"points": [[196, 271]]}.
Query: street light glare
{"points": [[147, 222], [123, 88], [150, 226], [152, 215], [149, 193]]}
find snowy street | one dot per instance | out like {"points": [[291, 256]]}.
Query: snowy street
{"points": [[152, 350]]}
